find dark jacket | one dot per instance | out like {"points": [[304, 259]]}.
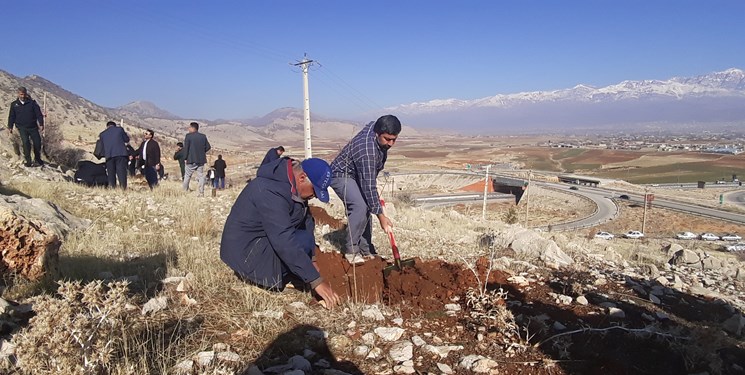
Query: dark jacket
{"points": [[114, 141], [27, 115], [259, 234], [270, 156], [152, 153], [180, 156], [220, 166], [196, 147]]}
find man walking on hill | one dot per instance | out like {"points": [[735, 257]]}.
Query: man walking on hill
{"points": [[219, 166], [26, 115], [268, 237], [273, 154], [114, 140], [149, 152], [179, 155], [355, 172], [195, 152]]}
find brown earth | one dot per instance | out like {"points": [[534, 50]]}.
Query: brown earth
{"points": [[323, 218], [478, 187]]}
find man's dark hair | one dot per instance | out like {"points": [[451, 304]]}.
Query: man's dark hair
{"points": [[280, 148], [219, 156], [194, 125], [387, 124], [180, 144], [110, 123], [22, 89], [149, 131]]}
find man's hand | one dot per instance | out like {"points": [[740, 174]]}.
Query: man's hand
{"points": [[41, 129], [324, 290], [385, 223], [131, 157]]}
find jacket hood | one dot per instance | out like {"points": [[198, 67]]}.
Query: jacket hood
{"points": [[275, 171]]}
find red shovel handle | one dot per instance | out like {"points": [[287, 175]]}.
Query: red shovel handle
{"points": [[394, 247]]}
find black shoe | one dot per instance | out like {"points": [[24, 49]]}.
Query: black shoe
{"points": [[28, 164], [39, 162]]}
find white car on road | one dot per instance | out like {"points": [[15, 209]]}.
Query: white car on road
{"points": [[686, 236], [633, 234], [709, 237], [731, 237], [604, 235], [740, 246]]}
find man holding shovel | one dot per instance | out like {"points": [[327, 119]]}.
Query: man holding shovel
{"points": [[355, 172]]}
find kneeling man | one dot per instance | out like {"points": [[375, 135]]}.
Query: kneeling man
{"points": [[268, 237]]}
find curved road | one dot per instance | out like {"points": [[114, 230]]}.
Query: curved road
{"points": [[736, 197], [606, 208]]}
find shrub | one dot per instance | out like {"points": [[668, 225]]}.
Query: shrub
{"points": [[511, 216]]}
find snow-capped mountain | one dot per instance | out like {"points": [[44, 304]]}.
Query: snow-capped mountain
{"points": [[718, 96]]}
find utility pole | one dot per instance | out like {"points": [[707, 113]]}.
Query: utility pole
{"points": [[486, 190], [527, 201], [304, 64], [644, 216]]}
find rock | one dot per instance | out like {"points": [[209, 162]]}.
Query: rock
{"points": [[227, 356], [362, 350], [308, 354], [405, 368], [322, 363], [684, 257], [5, 306], [401, 351], [442, 350], [678, 282], [7, 350], [270, 314], [298, 362], [452, 307], [398, 321], [704, 292], [519, 280], [662, 280], [154, 305], [484, 365], [712, 263], [205, 359], [220, 347], [369, 339], [339, 342], [173, 279], [582, 300], [31, 233], [184, 367], [445, 369], [373, 313], [564, 299], [661, 315], [557, 326], [418, 341], [654, 299], [296, 308], [607, 304], [389, 334], [529, 244], [468, 361], [375, 353], [650, 270], [616, 313], [673, 248], [734, 324], [182, 286]]}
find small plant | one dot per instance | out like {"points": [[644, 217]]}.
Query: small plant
{"points": [[511, 216]]}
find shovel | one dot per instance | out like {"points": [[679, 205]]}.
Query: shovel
{"points": [[398, 264]]}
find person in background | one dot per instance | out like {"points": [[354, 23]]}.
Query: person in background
{"points": [[196, 146], [219, 166], [132, 163], [273, 154], [355, 171], [114, 140], [25, 114], [268, 239], [180, 156], [149, 152]]}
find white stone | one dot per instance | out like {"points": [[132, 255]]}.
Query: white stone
{"points": [[444, 368], [484, 365], [615, 312], [582, 300], [405, 368], [205, 359], [375, 353], [173, 279], [154, 305], [362, 350], [442, 350], [468, 361], [270, 314], [182, 286], [227, 356], [452, 307], [418, 341], [398, 321], [519, 280], [369, 339], [373, 313], [389, 334], [296, 308], [564, 299], [401, 351]]}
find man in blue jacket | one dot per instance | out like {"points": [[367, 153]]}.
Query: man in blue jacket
{"points": [[268, 237], [273, 154], [26, 115], [115, 141]]}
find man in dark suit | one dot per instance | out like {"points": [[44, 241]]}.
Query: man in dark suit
{"points": [[26, 115], [219, 168], [273, 154], [195, 149], [149, 153], [115, 141]]}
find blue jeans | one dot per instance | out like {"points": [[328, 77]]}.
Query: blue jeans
{"points": [[219, 183], [359, 227], [151, 176]]}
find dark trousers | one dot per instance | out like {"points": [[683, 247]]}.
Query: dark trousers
{"points": [[308, 241], [116, 167], [29, 135], [219, 183], [151, 176], [359, 235], [132, 167]]}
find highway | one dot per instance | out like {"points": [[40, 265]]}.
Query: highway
{"points": [[606, 208], [736, 197]]}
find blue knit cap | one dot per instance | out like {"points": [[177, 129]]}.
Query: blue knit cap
{"points": [[319, 174]]}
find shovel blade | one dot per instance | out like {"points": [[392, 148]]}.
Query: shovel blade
{"points": [[398, 266]]}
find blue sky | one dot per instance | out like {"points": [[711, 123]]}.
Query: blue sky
{"points": [[230, 59]]}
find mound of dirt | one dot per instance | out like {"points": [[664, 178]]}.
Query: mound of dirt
{"points": [[323, 218]]}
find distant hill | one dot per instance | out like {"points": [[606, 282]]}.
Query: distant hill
{"points": [[717, 97], [146, 109]]}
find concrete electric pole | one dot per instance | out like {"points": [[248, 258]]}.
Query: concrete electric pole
{"points": [[486, 191], [304, 64]]}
